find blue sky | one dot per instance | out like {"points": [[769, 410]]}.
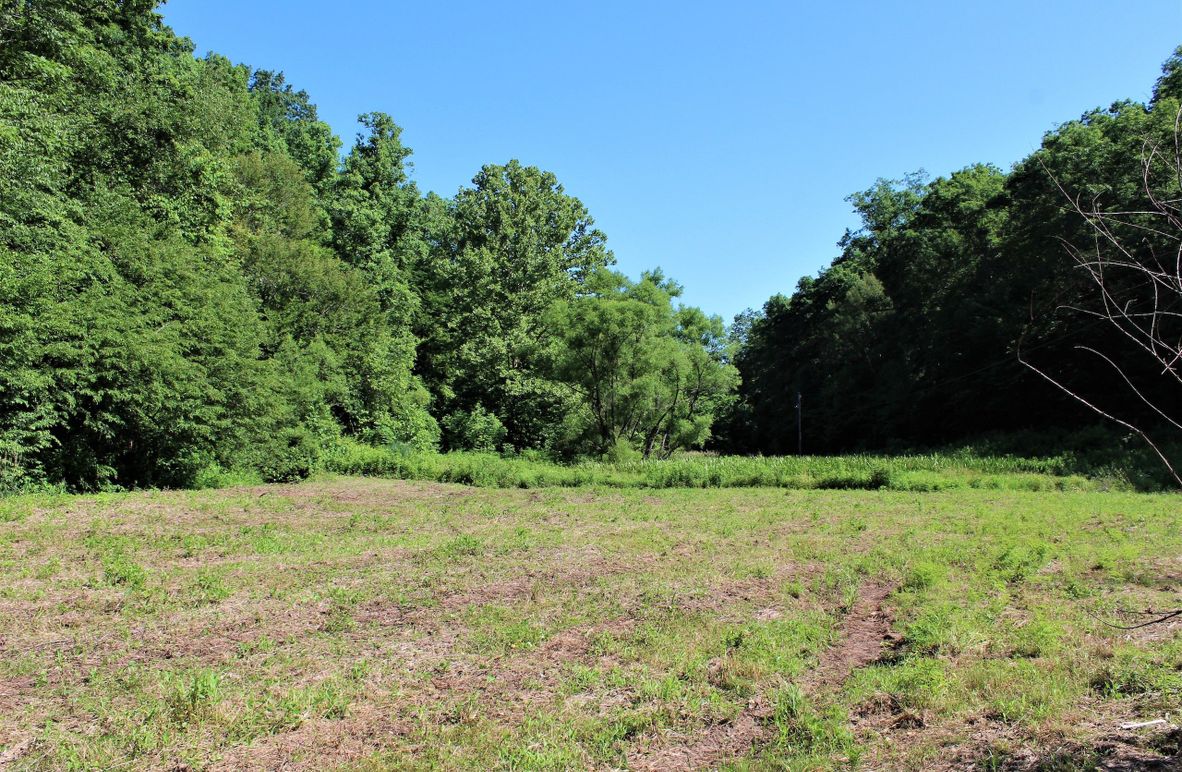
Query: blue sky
{"points": [[717, 141]]}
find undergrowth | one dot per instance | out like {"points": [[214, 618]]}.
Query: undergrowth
{"points": [[914, 472]]}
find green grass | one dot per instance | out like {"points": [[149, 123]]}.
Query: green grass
{"points": [[362, 623], [920, 472]]}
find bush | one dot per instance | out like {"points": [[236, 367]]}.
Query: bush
{"points": [[294, 456], [477, 430], [621, 452]]}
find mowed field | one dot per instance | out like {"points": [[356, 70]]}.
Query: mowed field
{"points": [[364, 624]]}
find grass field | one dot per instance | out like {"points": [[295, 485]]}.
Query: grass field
{"points": [[368, 623]]}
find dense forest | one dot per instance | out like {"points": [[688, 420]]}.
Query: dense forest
{"points": [[913, 335], [193, 275]]}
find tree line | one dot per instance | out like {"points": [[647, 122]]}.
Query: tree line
{"points": [[917, 333], [193, 275]]}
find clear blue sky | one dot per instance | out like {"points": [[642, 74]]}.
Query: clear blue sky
{"points": [[717, 140]]}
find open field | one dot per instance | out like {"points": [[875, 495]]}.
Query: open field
{"points": [[365, 623]]}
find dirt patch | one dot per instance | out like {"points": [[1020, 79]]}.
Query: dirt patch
{"points": [[715, 745], [1117, 752], [358, 494], [730, 594], [1089, 738], [570, 571], [1129, 752], [509, 684], [865, 630], [14, 692], [866, 627], [318, 743], [15, 751]]}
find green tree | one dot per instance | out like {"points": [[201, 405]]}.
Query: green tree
{"points": [[377, 216], [293, 118], [648, 375], [514, 244]]}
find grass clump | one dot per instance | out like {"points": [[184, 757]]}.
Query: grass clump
{"points": [[192, 698], [808, 735], [120, 571]]}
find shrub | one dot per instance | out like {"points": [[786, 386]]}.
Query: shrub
{"points": [[477, 430], [293, 456]]}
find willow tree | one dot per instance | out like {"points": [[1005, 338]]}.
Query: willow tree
{"points": [[650, 377]]}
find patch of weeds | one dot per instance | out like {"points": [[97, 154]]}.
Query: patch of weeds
{"points": [[463, 711], [48, 569], [659, 597], [1134, 672], [210, 588], [803, 730], [1018, 690], [914, 683], [194, 698], [266, 715], [263, 539], [464, 545], [923, 575], [144, 732], [856, 525], [540, 742], [608, 737], [1037, 638], [1077, 589], [602, 643], [781, 647], [580, 679], [839, 587], [326, 700], [670, 689], [933, 632], [755, 571], [501, 636], [271, 714], [262, 644], [1019, 562], [522, 540], [120, 571], [14, 510], [359, 670], [193, 545], [1002, 756], [342, 601]]}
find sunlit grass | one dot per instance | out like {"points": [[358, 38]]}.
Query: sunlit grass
{"points": [[927, 472], [458, 627]]}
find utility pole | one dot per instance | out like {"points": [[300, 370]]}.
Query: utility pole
{"points": [[799, 435]]}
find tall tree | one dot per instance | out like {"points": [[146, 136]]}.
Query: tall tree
{"points": [[377, 220], [517, 243]]}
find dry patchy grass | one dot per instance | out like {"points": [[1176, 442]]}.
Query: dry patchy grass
{"points": [[365, 624]]}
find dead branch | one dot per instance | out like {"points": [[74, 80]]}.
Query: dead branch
{"points": [[1138, 285]]}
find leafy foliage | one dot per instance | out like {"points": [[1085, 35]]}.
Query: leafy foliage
{"points": [[909, 338], [192, 280], [649, 376]]}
